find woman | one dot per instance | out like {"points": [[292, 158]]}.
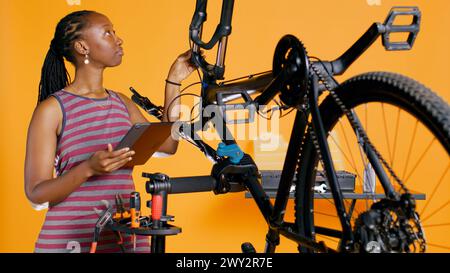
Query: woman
{"points": [[74, 129]]}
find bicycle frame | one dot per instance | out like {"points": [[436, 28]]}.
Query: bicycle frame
{"points": [[267, 86]]}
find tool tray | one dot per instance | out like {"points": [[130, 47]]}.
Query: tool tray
{"points": [[124, 226]]}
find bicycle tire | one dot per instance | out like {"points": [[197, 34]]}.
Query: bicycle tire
{"points": [[397, 90]]}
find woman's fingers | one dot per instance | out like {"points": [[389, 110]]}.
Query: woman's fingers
{"points": [[117, 165], [114, 159], [120, 157], [113, 154]]}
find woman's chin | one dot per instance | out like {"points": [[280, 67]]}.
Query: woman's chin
{"points": [[118, 62]]}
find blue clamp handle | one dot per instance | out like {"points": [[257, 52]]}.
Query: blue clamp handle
{"points": [[233, 152]]}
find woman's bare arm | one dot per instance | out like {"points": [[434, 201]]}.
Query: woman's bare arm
{"points": [[40, 186]]}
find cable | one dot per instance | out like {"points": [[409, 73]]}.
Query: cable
{"points": [[244, 77], [190, 85], [179, 96], [287, 113], [271, 114], [192, 109], [188, 139]]}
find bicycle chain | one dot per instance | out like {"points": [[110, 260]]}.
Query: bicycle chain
{"points": [[356, 127]]}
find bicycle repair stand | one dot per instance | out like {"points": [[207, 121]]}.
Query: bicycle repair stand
{"points": [[156, 224], [226, 176]]}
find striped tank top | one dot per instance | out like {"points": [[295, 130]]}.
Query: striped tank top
{"points": [[88, 126]]}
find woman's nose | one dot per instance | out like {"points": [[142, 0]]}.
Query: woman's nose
{"points": [[119, 41]]}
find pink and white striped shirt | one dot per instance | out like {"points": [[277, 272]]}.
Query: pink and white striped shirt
{"points": [[88, 126]]}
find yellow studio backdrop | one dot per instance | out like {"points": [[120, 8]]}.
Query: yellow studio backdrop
{"points": [[154, 33]]}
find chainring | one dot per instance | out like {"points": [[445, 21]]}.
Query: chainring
{"points": [[290, 54]]}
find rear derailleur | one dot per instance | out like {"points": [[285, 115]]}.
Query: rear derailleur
{"points": [[390, 226]]}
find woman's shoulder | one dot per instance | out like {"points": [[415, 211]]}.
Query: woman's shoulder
{"points": [[121, 95], [124, 98], [48, 110], [50, 103], [135, 114]]}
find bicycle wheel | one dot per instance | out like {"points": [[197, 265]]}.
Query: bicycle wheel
{"points": [[409, 125]]}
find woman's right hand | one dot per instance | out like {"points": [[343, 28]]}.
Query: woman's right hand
{"points": [[107, 161]]}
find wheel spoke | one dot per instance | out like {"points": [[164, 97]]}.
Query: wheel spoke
{"points": [[434, 190], [332, 202], [348, 145], [325, 214], [395, 137], [362, 159], [354, 169], [436, 225], [366, 119], [420, 159], [436, 211], [365, 164], [410, 149], [386, 132], [439, 246], [327, 238], [346, 158]]}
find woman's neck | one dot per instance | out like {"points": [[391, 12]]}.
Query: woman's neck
{"points": [[88, 80]]}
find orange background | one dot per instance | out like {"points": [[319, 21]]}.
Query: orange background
{"points": [[154, 33]]}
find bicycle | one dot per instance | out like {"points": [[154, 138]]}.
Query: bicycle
{"points": [[389, 221]]}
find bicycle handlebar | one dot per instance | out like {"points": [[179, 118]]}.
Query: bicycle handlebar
{"points": [[192, 184]]}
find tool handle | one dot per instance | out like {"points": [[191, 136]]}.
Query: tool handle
{"points": [[135, 209], [135, 201], [93, 247]]}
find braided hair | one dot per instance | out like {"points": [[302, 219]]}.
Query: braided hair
{"points": [[54, 75]]}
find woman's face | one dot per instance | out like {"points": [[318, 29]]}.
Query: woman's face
{"points": [[104, 46]]}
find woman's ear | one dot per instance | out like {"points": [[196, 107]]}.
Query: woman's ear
{"points": [[81, 47]]}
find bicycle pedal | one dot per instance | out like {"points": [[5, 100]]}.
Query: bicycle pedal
{"points": [[412, 29], [247, 248]]}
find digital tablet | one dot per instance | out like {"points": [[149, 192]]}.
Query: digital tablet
{"points": [[145, 139]]}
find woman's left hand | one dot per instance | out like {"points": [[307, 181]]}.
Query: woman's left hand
{"points": [[181, 68]]}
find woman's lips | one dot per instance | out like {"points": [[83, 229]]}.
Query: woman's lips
{"points": [[120, 52]]}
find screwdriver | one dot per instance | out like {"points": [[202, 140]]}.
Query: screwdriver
{"points": [[120, 210], [135, 211]]}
